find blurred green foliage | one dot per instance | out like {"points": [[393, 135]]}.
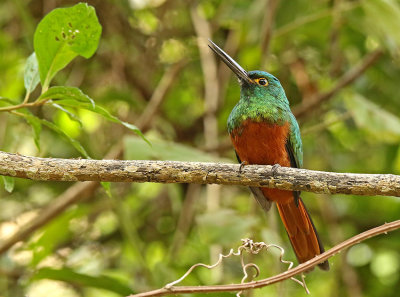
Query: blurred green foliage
{"points": [[147, 235]]}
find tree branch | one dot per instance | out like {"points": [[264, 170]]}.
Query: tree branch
{"points": [[284, 178], [72, 195], [280, 277], [78, 191], [344, 81]]}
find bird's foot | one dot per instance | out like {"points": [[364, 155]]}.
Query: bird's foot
{"points": [[275, 168], [242, 165]]}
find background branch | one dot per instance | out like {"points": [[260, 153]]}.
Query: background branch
{"points": [[267, 29], [210, 120], [285, 178], [79, 191], [159, 94], [344, 81], [72, 195], [280, 277]]}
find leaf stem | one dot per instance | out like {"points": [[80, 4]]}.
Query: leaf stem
{"points": [[46, 84], [24, 104], [26, 97]]}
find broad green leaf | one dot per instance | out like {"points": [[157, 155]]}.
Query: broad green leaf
{"points": [[8, 183], [74, 97], [50, 237], [381, 124], [6, 102], [31, 74], [62, 35], [83, 280], [36, 125], [382, 21], [70, 114], [66, 93], [76, 144], [101, 111]]}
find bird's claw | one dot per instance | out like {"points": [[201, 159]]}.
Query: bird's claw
{"points": [[242, 165], [275, 168]]}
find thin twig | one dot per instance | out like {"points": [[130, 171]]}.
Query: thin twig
{"points": [[23, 105], [210, 120], [248, 246], [387, 227], [284, 178]]}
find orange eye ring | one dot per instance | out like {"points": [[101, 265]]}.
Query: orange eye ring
{"points": [[261, 81]]}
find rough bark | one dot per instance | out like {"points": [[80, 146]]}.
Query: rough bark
{"points": [[52, 169]]}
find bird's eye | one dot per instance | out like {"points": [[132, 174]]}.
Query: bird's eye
{"points": [[262, 81]]}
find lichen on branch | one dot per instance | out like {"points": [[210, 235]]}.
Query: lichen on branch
{"points": [[285, 178]]}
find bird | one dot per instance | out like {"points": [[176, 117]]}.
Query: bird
{"points": [[264, 131]]}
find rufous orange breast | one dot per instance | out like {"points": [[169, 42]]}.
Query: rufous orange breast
{"points": [[264, 144]]}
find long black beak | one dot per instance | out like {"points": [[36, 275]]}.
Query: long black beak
{"points": [[231, 63]]}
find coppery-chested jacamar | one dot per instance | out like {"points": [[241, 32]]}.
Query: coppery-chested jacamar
{"points": [[264, 131]]}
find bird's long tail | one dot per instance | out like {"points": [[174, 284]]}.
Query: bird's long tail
{"points": [[301, 231]]}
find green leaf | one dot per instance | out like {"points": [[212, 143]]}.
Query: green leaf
{"points": [[101, 111], [50, 236], [8, 183], [382, 21], [70, 114], [62, 35], [378, 122], [31, 74], [107, 187], [31, 118], [36, 125], [72, 93], [76, 144], [6, 102], [84, 280]]}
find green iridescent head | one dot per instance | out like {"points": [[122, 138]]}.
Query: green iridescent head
{"points": [[263, 85], [262, 98], [254, 84]]}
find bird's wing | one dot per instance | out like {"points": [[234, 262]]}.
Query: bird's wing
{"points": [[264, 201], [294, 149], [294, 146]]}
